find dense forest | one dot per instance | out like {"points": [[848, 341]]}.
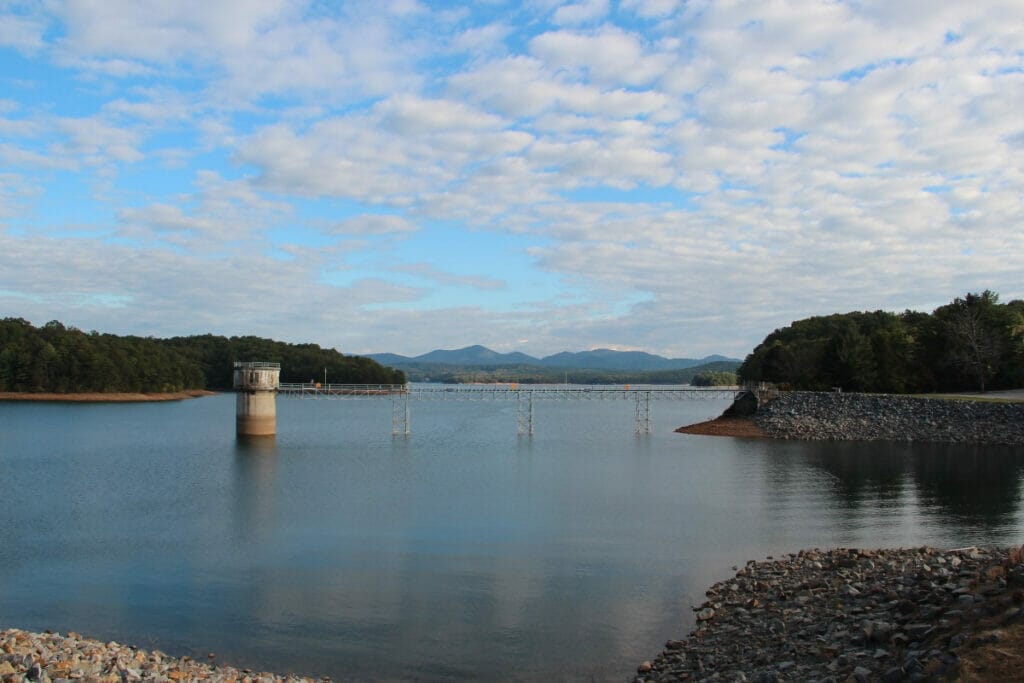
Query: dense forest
{"points": [[55, 358], [714, 378], [973, 343]]}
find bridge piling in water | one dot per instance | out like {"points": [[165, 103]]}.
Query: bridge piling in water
{"points": [[524, 413], [400, 414], [256, 384]]}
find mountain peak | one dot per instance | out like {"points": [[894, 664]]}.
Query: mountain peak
{"points": [[601, 359]]}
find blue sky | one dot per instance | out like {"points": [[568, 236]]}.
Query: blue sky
{"points": [[676, 177]]}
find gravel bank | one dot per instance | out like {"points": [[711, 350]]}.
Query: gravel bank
{"points": [[883, 417], [850, 615], [51, 657]]}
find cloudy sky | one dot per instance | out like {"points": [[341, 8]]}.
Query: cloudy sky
{"points": [[677, 177]]}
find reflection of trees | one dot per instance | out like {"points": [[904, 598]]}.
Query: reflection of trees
{"points": [[863, 471], [969, 484]]}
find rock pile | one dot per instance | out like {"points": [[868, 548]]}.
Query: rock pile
{"points": [[882, 417], [51, 657], [848, 615]]}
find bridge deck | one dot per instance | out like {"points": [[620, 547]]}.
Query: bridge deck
{"points": [[507, 392]]}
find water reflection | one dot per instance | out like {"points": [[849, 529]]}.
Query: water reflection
{"points": [[863, 472], [255, 486], [976, 486], [461, 552], [969, 485]]}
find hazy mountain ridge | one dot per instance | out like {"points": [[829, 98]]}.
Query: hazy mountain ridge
{"points": [[596, 359]]}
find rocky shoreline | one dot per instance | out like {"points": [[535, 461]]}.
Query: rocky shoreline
{"points": [[820, 416], [884, 417], [857, 615], [50, 657]]}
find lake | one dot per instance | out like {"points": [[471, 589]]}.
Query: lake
{"points": [[462, 551]]}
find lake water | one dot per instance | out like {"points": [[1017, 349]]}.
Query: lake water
{"points": [[460, 552]]}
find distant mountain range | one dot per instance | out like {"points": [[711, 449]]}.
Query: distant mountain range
{"points": [[598, 359]]}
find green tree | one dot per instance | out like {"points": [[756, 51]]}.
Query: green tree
{"points": [[976, 335]]}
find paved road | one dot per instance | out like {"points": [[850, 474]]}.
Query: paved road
{"points": [[1017, 394]]}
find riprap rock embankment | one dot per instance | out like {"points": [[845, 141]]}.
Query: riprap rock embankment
{"points": [[883, 417], [51, 657], [848, 615]]}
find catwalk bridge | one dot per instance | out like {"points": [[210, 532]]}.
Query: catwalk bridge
{"points": [[524, 396]]}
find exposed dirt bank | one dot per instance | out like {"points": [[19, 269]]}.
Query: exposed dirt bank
{"points": [[104, 397], [726, 426]]}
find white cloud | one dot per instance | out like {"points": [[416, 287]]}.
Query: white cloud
{"points": [[481, 40], [24, 34], [429, 272], [97, 142], [403, 147], [583, 12], [652, 9], [678, 168], [607, 56], [374, 224], [218, 213]]}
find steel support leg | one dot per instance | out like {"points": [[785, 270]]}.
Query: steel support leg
{"points": [[524, 413], [400, 414], [643, 412]]}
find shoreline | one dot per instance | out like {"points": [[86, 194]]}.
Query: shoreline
{"points": [[834, 416], [740, 427], [51, 656], [850, 614], [105, 397], [844, 614]]}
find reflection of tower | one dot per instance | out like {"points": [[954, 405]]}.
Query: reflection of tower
{"points": [[256, 406]]}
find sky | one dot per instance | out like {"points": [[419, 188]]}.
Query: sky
{"points": [[400, 176]]}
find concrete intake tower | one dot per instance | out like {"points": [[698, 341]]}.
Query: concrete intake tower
{"points": [[256, 405]]}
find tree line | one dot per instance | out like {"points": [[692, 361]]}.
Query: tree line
{"points": [[714, 378], [533, 374], [974, 343], [59, 359]]}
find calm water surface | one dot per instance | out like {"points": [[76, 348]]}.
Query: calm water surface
{"points": [[460, 552]]}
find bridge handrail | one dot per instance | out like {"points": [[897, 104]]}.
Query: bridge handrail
{"points": [[342, 388], [506, 391]]}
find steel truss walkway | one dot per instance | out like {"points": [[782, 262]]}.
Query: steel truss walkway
{"points": [[524, 396]]}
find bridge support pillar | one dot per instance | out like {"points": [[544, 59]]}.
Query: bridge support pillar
{"points": [[400, 414], [524, 413], [643, 412], [256, 401]]}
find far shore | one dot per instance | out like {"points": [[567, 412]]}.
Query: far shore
{"points": [[105, 397]]}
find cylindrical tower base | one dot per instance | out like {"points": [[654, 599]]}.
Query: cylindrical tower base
{"points": [[256, 413]]}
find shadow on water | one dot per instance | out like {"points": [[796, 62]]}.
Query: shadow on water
{"points": [[864, 473], [969, 485], [965, 485]]}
